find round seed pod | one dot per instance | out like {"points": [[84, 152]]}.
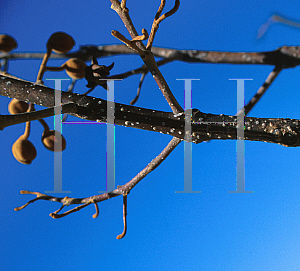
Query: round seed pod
{"points": [[60, 42], [17, 107], [23, 150], [75, 68], [7, 43], [48, 140]]}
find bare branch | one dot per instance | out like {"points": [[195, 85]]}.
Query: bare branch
{"points": [[121, 190], [130, 43], [147, 56], [204, 127], [9, 120], [285, 56], [158, 19], [139, 89], [275, 19], [261, 91]]}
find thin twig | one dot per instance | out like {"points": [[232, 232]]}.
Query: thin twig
{"points": [[146, 54], [121, 190], [120, 236], [261, 91], [275, 19], [130, 43], [139, 89], [158, 19], [9, 120], [151, 166]]}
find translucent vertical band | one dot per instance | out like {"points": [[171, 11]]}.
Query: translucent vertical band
{"points": [[110, 137], [58, 138], [188, 163], [240, 143]]}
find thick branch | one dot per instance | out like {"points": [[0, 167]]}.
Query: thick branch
{"points": [[204, 126]]}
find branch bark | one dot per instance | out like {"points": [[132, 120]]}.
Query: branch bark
{"points": [[285, 56], [204, 126]]}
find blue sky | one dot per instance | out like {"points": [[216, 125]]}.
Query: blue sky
{"points": [[211, 230]]}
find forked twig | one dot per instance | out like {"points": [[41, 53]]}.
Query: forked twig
{"points": [[275, 19], [121, 190], [131, 43], [158, 19], [146, 54]]}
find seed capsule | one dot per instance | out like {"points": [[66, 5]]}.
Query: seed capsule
{"points": [[60, 42], [17, 107], [7, 43], [23, 150], [75, 68], [49, 138]]}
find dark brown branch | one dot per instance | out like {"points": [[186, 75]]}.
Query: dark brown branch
{"points": [[285, 56], [9, 120], [204, 127]]}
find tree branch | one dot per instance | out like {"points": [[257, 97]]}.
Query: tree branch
{"points": [[285, 56], [121, 190], [146, 54], [204, 126]]}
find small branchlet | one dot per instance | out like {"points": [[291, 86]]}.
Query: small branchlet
{"points": [[66, 201], [120, 236], [132, 43], [159, 18]]}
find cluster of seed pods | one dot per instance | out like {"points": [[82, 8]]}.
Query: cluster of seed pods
{"points": [[61, 43], [23, 150]]}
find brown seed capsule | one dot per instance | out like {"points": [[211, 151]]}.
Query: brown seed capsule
{"points": [[17, 107], [75, 68], [7, 43], [49, 138], [23, 150], [60, 42]]}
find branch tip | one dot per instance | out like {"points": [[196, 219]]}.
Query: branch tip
{"points": [[158, 19], [120, 236], [97, 210]]}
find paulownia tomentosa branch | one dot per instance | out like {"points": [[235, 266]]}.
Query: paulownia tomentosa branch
{"points": [[204, 126], [121, 190], [145, 52], [286, 56]]}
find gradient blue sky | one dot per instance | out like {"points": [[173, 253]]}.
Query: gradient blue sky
{"points": [[213, 230]]}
